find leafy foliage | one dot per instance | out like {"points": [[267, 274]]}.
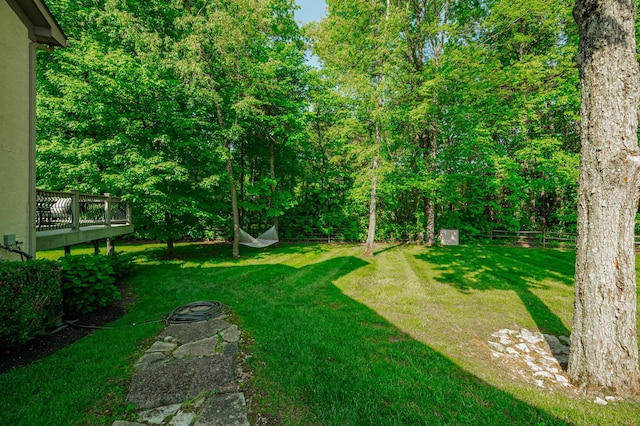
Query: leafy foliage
{"points": [[29, 294], [122, 264], [88, 282], [471, 111]]}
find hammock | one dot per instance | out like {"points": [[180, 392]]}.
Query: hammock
{"points": [[269, 237]]}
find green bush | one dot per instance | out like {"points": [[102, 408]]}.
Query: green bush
{"points": [[29, 294], [122, 264], [88, 283]]}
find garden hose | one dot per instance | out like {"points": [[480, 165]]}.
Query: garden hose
{"points": [[191, 312], [196, 311]]}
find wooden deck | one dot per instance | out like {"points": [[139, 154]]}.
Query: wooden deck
{"points": [[68, 218]]}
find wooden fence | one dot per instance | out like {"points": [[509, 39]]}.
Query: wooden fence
{"points": [[540, 238]]}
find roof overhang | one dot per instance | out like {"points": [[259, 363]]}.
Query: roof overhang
{"points": [[43, 27]]}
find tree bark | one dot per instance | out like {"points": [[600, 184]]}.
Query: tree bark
{"points": [[604, 349], [234, 206], [111, 246], [371, 235], [430, 208], [170, 249], [272, 174], [430, 213], [232, 190], [169, 226]]}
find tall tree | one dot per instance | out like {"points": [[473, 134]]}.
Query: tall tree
{"points": [[426, 32], [604, 348], [355, 43], [128, 127], [243, 62]]}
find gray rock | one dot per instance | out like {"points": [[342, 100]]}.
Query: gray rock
{"points": [[157, 416], [512, 351], [530, 337], [533, 366], [230, 350], [565, 340], [125, 423], [182, 418], [600, 401], [563, 360], [555, 346], [180, 380], [496, 346], [227, 410], [161, 347], [190, 332], [204, 347], [543, 374], [150, 359], [231, 334]]}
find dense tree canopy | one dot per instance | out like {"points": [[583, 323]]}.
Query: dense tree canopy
{"points": [[458, 114]]}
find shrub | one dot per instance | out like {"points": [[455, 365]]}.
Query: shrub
{"points": [[29, 294], [122, 264], [88, 283]]}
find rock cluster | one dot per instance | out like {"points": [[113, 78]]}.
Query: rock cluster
{"points": [[539, 357], [542, 357]]}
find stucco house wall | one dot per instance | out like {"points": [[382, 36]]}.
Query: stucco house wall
{"points": [[15, 122], [24, 25]]}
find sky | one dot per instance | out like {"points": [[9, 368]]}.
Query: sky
{"points": [[310, 10]]}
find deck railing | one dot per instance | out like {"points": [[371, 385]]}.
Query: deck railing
{"points": [[59, 210]]}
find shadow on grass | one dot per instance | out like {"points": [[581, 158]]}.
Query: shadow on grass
{"points": [[389, 248], [500, 268], [322, 358], [221, 251]]}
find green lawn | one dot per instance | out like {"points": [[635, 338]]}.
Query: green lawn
{"points": [[398, 339]]}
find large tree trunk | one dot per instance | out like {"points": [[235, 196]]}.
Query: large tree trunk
{"points": [[430, 208], [272, 174], [169, 225], [430, 213], [232, 189], [234, 207], [371, 235], [604, 349]]}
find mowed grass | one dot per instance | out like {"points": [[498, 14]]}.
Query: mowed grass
{"points": [[397, 339]]}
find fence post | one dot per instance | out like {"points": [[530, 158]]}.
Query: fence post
{"points": [[75, 209], [107, 209]]}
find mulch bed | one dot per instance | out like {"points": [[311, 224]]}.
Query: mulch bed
{"points": [[46, 344]]}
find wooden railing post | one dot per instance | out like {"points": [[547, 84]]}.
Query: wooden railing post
{"points": [[107, 209], [75, 209]]}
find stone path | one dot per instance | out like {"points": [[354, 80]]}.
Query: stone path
{"points": [[187, 377]]}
